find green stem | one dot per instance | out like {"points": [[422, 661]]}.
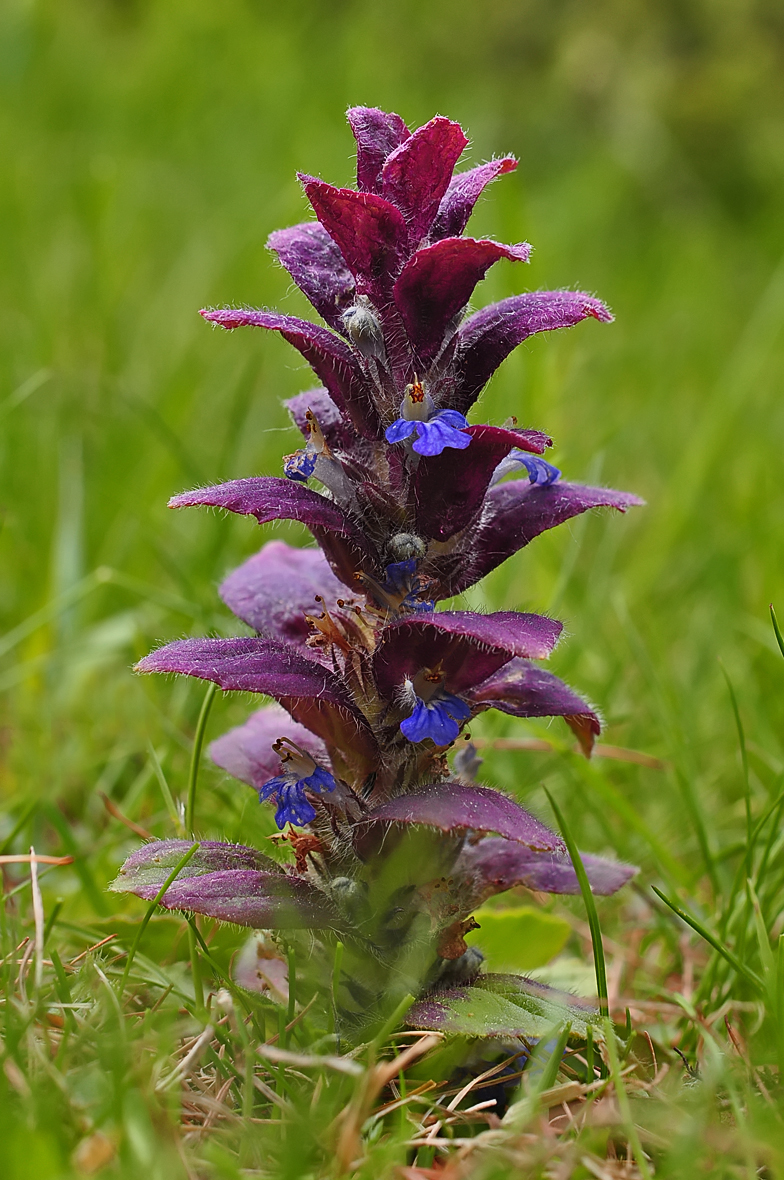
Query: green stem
{"points": [[336, 982], [590, 906], [624, 1105], [193, 950], [392, 1022], [589, 1057], [553, 1062], [16, 829], [292, 1004], [744, 762], [777, 629], [53, 916], [241, 997], [198, 742], [181, 863], [778, 1007]]}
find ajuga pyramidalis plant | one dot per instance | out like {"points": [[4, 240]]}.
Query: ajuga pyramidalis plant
{"points": [[374, 684]]}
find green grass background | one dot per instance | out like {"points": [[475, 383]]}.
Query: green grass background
{"points": [[147, 148]]}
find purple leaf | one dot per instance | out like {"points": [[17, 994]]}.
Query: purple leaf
{"points": [[377, 134], [417, 173], [317, 267], [264, 901], [246, 751], [249, 665], [311, 693], [333, 425], [467, 647], [494, 865], [149, 867], [438, 281], [273, 590], [449, 489], [455, 807], [331, 359], [463, 193], [269, 497], [487, 338], [518, 511], [524, 690], [369, 231]]}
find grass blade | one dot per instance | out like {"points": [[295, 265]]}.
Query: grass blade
{"points": [[553, 1062], [392, 1021], [193, 951], [744, 762], [611, 797], [54, 608], [17, 828], [292, 1002], [590, 906], [766, 954], [779, 1006], [777, 629], [168, 798], [712, 940]]}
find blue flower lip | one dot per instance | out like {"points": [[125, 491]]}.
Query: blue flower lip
{"points": [[540, 472], [438, 719], [445, 429]]}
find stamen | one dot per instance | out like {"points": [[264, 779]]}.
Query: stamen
{"points": [[416, 391], [280, 744], [317, 435]]}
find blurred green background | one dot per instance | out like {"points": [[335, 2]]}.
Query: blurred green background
{"points": [[146, 151]]}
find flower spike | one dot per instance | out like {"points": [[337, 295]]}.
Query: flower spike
{"points": [[372, 683]]}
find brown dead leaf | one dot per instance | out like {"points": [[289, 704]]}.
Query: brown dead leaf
{"points": [[93, 1153]]}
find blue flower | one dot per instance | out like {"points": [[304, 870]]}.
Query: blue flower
{"points": [[403, 580], [539, 471], [301, 465], [289, 791], [399, 575], [444, 429], [438, 719]]}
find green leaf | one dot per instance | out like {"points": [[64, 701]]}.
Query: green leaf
{"points": [[504, 1006], [554, 1006], [519, 938]]}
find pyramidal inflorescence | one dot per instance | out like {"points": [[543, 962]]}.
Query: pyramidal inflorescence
{"points": [[409, 505]]}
